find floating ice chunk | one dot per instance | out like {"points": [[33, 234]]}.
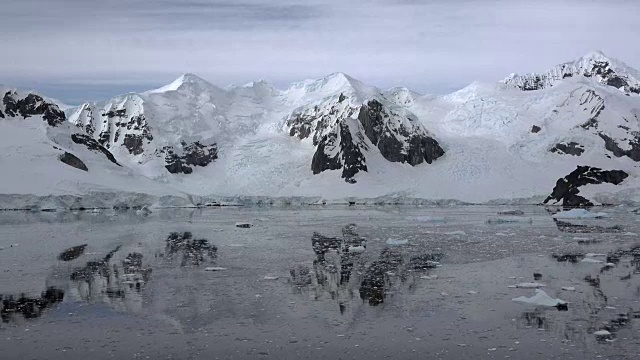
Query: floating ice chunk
{"points": [[579, 214], [214, 268], [602, 333], [568, 288], [444, 293], [391, 241], [529, 285], [540, 298], [457, 232], [591, 261], [271, 277], [472, 292], [244, 225], [356, 249], [594, 255]]}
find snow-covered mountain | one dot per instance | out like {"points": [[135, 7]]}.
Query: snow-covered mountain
{"points": [[336, 137]]}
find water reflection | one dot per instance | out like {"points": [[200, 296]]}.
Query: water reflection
{"points": [[12, 307], [340, 270], [188, 250]]}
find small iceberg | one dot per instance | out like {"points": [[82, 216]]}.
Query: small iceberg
{"points": [[541, 298], [356, 249], [579, 214], [591, 261], [528, 285], [391, 241]]}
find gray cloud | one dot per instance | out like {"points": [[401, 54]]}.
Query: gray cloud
{"points": [[431, 46]]}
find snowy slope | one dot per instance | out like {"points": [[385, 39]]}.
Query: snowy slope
{"points": [[34, 143], [336, 137]]}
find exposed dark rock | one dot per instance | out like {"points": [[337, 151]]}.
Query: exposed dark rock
{"points": [[93, 145], [341, 98], [346, 154], [73, 160], [567, 188], [72, 253], [32, 105], [535, 129], [192, 251], [133, 143], [375, 118], [243, 225], [29, 308], [1, 115], [341, 144], [194, 154], [633, 153], [570, 148]]}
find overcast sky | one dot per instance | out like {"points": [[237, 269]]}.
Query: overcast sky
{"points": [[90, 49]]}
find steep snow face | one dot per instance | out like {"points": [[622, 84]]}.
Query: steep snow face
{"points": [[596, 66]]}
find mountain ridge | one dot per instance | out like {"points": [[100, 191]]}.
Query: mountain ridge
{"points": [[338, 137]]}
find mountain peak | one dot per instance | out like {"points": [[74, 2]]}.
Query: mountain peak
{"points": [[595, 66], [186, 81]]}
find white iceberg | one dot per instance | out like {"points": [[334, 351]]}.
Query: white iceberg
{"points": [[591, 261], [528, 285], [356, 249], [579, 214], [540, 298]]}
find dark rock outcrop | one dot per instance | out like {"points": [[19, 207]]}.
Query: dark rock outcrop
{"points": [[73, 161], [194, 154], [633, 153], [567, 188], [340, 131], [376, 121], [570, 148], [32, 105], [535, 129], [93, 145], [338, 150]]}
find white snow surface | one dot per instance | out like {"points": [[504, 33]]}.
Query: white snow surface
{"points": [[491, 154]]}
